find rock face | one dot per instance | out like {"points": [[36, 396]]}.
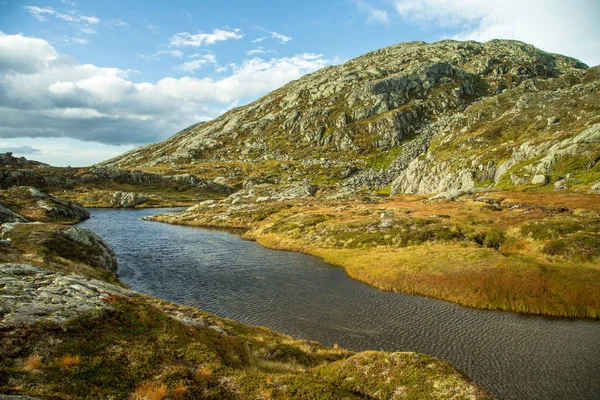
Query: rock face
{"points": [[32, 295], [422, 117]]}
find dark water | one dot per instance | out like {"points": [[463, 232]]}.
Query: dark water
{"points": [[512, 356]]}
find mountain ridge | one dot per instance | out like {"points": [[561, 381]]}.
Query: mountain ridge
{"points": [[377, 113]]}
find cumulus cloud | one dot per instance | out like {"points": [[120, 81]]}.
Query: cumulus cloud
{"points": [[198, 62], [186, 39], [566, 27], [46, 94], [372, 13]]}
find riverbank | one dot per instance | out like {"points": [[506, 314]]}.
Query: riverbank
{"points": [[531, 253], [70, 329]]}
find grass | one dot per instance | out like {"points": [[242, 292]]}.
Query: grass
{"points": [[149, 391], [468, 275], [32, 363], [68, 361]]}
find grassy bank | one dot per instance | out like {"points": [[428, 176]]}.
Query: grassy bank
{"points": [[532, 253], [138, 350]]}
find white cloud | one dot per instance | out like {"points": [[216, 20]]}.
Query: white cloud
{"points": [[42, 13], [186, 39], [24, 54], [372, 13], [89, 20], [198, 62], [566, 27], [45, 94], [117, 23], [73, 40], [159, 53], [88, 30], [153, 28], [259, 50], [283, 39]]}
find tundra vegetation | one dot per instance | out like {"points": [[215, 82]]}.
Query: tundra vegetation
{"points": [[70, 329]]}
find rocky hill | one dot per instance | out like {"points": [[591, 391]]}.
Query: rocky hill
{"points": [[418, 117]]}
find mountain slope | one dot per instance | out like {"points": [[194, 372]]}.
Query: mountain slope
{"points": [[427, 117]]}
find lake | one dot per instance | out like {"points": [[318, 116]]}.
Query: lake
{"points": [[510, 355]]}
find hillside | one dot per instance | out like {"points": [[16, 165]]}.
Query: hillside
{"points": [[420, 117]]}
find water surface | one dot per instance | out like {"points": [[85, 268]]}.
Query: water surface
{"points": [[512, 356]]}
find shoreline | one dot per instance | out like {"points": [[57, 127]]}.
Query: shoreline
{"points": [[488, 278]]}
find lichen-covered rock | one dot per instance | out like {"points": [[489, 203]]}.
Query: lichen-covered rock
{"points": [[31, 295], [298, 190], [103, 256], [127, 199], [8, 215], [36, 205]]}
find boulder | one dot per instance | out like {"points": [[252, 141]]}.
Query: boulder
{"points": [[127, 199]]}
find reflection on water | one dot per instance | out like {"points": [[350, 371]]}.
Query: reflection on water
{"points": [[513, 356]]}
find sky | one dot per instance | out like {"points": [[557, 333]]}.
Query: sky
{"points": [[82, 81]]}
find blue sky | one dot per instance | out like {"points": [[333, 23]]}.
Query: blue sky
{"points": [[82, 81]]}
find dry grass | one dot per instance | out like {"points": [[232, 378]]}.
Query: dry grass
{"points": [[149, 391], [180, 390], [203, 372], [68, 361], [469, 275], [32, 363]]}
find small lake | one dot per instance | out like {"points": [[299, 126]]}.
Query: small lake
{"points": [[510, 355]]}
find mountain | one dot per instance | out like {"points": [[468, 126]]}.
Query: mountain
{"points": [[420, 117]]}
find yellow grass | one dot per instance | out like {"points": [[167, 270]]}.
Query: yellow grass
{"points": [[180, 390], [32, 363], [69, 361], [468, 275], [149, 391]]}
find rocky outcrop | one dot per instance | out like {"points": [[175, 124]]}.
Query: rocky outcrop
{"points": [[127, 200], [32, 295], [60, 244], [100, 253], [38, 206], [8, 215]]}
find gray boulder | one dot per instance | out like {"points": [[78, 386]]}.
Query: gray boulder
{"points": [[127, 199]]}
